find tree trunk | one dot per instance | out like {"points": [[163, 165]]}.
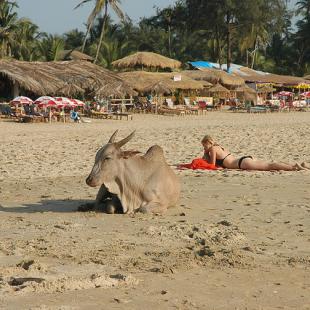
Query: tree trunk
{"points": [[228, 42], [219, 51], [254, 54], [102, 30], [87, 32], [169, 40]]}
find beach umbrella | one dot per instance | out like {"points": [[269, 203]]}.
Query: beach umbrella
{"points": [[64, 102], [305, 94], [43, 98], [78, 102], [285, 93], [45, 101], [21, 100]]}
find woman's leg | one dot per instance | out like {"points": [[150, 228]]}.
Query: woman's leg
{"points": [[250, 164]]}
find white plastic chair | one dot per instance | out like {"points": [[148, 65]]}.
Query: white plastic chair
{"points": [[169, 103]]}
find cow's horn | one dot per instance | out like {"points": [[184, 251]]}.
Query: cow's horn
{"points": [[112, 139], [125, 140]]}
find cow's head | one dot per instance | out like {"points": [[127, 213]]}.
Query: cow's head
{"points": [[106, 166]]}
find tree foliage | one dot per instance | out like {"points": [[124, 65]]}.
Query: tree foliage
{"points": [[257, 34]]}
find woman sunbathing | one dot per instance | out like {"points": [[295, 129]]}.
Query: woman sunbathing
{"points": [[216, 155]]}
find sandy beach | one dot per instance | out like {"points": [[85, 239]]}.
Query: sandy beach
{"points": [[237, 240]]}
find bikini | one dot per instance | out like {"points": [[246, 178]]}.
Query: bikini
{"points": [[219, 162], [241, 159]]}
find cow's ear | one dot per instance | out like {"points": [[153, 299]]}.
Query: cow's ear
{"points": [[112, 139], [125, 140]]}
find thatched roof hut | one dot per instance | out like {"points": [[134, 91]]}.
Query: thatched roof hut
{"points": [[246, 93], [74, 55], [55, 78], [245, 89], [70, 90], [140, 80], [250, 75], [115, 89], [264, 89], [218, 88], [159, 88], [146, 59], [215, 76]]}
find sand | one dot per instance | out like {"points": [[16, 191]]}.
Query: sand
{"points": [[237, 240]]}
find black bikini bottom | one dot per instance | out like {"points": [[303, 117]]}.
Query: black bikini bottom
{"points": [[241, 159]]}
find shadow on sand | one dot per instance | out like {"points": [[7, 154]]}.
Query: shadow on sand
{"points": [[57, 206]]}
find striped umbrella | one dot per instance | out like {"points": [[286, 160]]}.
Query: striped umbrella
{"points": [[21, 100], [78, 102], [63, 102], [45, 101], [305, 94]]}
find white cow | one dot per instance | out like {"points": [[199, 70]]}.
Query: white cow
{"points": [[141, 182]]}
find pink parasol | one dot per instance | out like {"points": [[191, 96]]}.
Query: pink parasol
{"points": [[78, 102], [22, 100], [63, 102], [305, 94], [45, 101], [43, 98], [285, 93]]}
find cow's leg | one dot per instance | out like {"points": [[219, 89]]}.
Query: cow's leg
{"points": [[100, 201], [113, 204], [97, 204], [107, 202], [101, 195], [152, 207]]}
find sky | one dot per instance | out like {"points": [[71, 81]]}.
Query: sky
{"points": [[59, 16]]}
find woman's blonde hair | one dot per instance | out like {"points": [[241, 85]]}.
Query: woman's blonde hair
{"points": [[207, 138]]}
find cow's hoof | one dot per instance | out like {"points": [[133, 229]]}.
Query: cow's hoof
{"points": [[143, 210], [110, 208]]}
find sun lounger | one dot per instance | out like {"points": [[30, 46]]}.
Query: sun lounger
{"points": [[258, 109], [30, 119], [189, 107], [120, 115], [101, 115], [171, 111]]}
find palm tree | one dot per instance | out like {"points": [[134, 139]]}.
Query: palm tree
{"points": [[8, 25], [26, 37], [50, 47], [100, 5], [73, 39], [303, 8]]}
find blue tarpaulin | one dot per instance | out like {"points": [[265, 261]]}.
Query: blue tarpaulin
{"points": [[201, 64]]}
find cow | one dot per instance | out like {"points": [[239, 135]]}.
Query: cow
{"points": [[134, 182]]}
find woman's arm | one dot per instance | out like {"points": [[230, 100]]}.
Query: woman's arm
{"points": [[212, 155], [206, 156]]}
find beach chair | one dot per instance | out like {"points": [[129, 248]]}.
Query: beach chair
{"points": [[189, 107], [258, 109], [170, 103]]}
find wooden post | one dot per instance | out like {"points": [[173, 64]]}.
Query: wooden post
{"points": [[15, 90], [50, 115]]}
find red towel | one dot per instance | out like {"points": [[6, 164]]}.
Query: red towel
{"points": [[198, 163]]}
